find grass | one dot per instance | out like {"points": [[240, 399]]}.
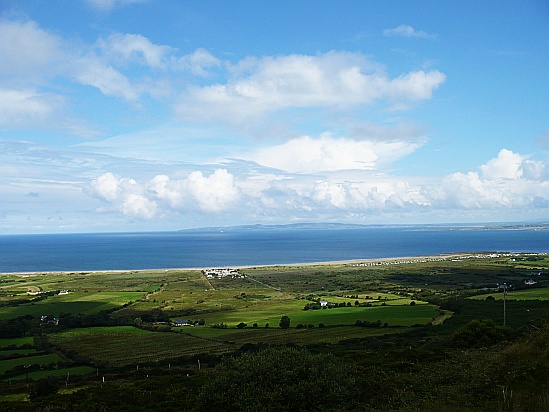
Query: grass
{"points": [[70, 371], [121, 346], [393, 315], [74, 302], [8, 364], [263, 297], [274, 336], [528, 294], [4, 343], [22, 352]]}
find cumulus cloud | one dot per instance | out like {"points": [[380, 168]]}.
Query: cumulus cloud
{"points": [[507, 165], [208, 194], [256, 193], [407, 31], [213, 193], [107, 187], [126, 196], [333, 80], [509, 180], [306, 154]]}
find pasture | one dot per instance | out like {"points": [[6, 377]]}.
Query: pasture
{"points": [[528, 294], [126, 345], [74, 302], [8, 364], [4, 343]]}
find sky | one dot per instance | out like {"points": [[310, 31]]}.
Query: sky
{"points": [[156, 115]]}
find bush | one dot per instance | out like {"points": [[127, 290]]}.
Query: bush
{"points": [[478, 333], [278, 379], [284, 322]]}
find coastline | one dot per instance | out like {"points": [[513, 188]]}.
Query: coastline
{"points": [[353, 262]]}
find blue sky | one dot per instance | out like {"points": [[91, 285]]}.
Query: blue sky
{"points": [[136, 115]]}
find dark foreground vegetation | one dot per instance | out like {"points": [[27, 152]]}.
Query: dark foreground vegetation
{"points": [[133, 355]]}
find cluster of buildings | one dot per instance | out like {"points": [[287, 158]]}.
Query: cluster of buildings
{"points": [[223, 273]]}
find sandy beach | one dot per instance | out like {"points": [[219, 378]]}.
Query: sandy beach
{"points": [[352, 262]]}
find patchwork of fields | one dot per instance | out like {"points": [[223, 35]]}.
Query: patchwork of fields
{"points": [[121, 319]]}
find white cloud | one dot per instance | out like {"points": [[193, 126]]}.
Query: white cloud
{"points": [[137, 206], [507, 165], [213, 193], [407, 31], [413, 86], [331, 80], [107, 187], [105, 78], [510, 180], [169, 191], [199, 62], [25, 107], [209, 194], [255, 193], [135, 47], [305, 154], [28, 51], [126, 195]]}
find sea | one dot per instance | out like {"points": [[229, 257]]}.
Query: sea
{"points": [[211, 248]]}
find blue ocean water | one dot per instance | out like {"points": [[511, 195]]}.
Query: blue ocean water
{"points": [[163, 250]]}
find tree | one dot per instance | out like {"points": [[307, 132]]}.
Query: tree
{"points": [[241, 325], [284, 322]]}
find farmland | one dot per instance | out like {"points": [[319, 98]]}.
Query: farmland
{"points": [[72, 324]]}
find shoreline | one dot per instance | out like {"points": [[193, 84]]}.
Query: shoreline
{"points": [[408, 259]]}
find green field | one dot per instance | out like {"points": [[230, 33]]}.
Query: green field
{"points": [[16, 341], [529, 294], [277, 336], [30, 360], [393, 315], [75, 303], [120, 346]]}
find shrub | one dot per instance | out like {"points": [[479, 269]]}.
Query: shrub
{"points": [[278, 379], [478, 333]]}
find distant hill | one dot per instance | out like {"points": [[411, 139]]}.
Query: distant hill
{"points": [[293, 226], [340, 226]]}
